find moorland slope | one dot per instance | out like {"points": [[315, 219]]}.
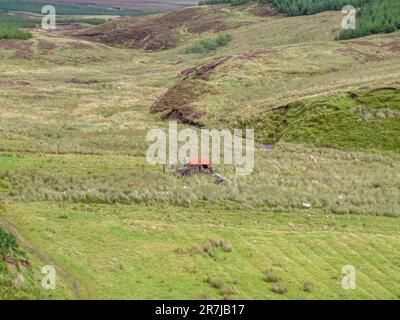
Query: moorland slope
{"points": [[75, 183]]}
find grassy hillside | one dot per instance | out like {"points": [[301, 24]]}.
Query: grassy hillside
{"points": [[158, 252], [186, 26], [373, 16], [242, 89], [76, 187], [367, 119], [161, 32]]}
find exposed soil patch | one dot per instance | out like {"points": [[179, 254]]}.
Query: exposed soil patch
{"points": [[311, 73], [362, 56], [363, 43], [10, 260], [382, 50], [265, 10], [204, 71], [215, 25], [46, 46], [385, 89], [22, 48], [78, 45], [27, 55], [253, 55], [71, 26], [10, 83], [394, 46], [177, 102], [15, 44], [78, 81], [185, 114]]}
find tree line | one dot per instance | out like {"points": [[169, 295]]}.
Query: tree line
{"points": [[377, 16], [373, 16]]}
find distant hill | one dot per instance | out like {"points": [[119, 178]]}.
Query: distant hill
{"points": [[140, 5], [160, 32]]}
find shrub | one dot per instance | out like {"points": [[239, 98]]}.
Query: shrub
{"points": [[208, 248], [226, 246], [195, 250], [206, 296], [13, 33], [229, 290], [214, 282], [218, 243], [308, 286], [208, 45], [8, 243], [272, 276]]}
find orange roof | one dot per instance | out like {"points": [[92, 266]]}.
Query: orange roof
{"points": [[200, 161]]}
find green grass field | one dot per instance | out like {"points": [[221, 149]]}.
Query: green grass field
{"points": [[146, 252], [77, 192]]}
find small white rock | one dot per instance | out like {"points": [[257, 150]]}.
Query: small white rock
{"points": [[313, 159], [306, 205]]}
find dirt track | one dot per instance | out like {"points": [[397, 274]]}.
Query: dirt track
{"points": [[76, 288]]}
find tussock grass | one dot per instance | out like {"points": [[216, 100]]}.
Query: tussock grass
{"points": [[308, 287], [206, 296], [214, 282], [272, 276], [229, 290], [335, 181], [280, 288]]}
